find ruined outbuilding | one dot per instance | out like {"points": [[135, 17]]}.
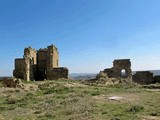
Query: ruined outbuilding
{"points": [[143, 77], [121, 68], [157, 79], [119, 73], [39, 65]]}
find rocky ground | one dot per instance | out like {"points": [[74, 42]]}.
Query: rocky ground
{"points": [[78, 100]]}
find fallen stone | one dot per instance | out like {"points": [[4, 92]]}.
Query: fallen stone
{"points": [[115, 98]]}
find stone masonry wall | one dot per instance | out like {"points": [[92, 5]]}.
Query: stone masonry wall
{"points": [[30, 56], [143, 77], [39, 65], [31, 53], [42, 58], [59, 72], [52, 60], [122, 64], [19, 68], [118, 66]]}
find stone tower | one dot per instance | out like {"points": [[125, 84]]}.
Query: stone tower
{"points": [[52, 59]]}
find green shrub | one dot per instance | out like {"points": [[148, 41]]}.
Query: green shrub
{"points": [[95, 93], [49, 116], [2, 108], [154, 114], [115, 118], [136, 108]]}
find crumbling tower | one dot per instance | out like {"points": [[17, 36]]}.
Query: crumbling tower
{"points": [[30, 60], [39, 65], [52, 59], [24, 66]]}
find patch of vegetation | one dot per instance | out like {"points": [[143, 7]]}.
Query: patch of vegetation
{"points": [[12, 99], [58, 90], [2, 108], [49, 116], [95, 93], [61, 100], [154, 114], [115, 118], [152, 86], [136, 108]]}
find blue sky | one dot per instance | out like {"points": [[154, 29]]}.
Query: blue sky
{"points": [[89, 34]]}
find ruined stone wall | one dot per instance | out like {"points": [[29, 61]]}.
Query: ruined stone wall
{"points": [[52, 56], [109, 72], [42, 59], [58, 73], [143, 77], [157, 79], [119, 66], [55, 57], [39, 65], [30, 56], [52, 60], [27, 69], [31, 53], [122, 64], [19, 70]]}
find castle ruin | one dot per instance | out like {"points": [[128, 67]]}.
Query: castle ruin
{"points": [[121, 68], [39, 65], [143, 77]]}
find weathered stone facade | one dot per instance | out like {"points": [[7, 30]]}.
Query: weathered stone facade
{"points": [[157, 79], [143, 77], [59, 72], [119, 73], [121, 68], [39, 64]]}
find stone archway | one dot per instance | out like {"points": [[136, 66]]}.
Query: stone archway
{"points": [[122, 68]]}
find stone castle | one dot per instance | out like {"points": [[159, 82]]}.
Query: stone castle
{"points": [[44, 64], [39, 65]]}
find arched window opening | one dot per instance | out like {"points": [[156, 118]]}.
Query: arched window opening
{"points": [[123, 72]]}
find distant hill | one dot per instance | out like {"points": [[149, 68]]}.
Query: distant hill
{"points": [[80, 76], [155, 72], [2, 77]]}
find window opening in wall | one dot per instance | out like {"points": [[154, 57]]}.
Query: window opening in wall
{"points": [[123, 72]]}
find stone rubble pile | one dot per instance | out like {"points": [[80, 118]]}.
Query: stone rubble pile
{"points": [[13, 83], [17, 83]]}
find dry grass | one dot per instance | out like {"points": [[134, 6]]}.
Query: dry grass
{"points": [[72, 100]]}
